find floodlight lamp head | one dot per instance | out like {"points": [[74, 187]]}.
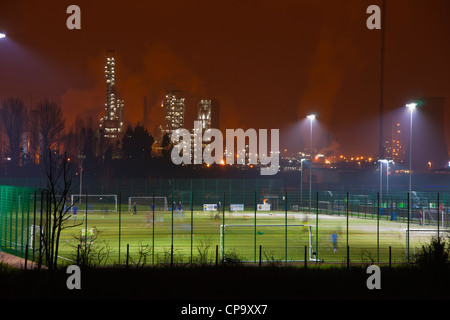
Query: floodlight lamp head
{"points": [[2, 35], [411, 106], [311, 117]]}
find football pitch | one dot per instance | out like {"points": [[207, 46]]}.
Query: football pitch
{"points": [[195, 236]]}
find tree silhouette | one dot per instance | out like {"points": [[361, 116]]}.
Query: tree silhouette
{"points": [[51, 126], [166, 146], [14, 116], [137, 143], [59, 173]]}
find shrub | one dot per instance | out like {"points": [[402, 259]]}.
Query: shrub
{"points": [[434, 254]]}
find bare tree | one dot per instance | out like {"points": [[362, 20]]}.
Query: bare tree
{"points": [[51, 126], [14, 115], [59, 175], [75, 138]]}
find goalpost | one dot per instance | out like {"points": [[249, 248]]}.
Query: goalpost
{"points": [[311, 251], [431, 216], [145, 203], [95, 202], [419, 237], [31, 235], [35, 236]]}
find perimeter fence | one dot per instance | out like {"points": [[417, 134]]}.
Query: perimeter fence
{"points": [[181, 225]]}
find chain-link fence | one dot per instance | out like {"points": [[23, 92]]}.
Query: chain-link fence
{"points": [[223, 221], [17, 207]]}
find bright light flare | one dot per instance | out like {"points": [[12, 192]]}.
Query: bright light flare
{"points": [[411, 106], [2, 35], [311, 117]]}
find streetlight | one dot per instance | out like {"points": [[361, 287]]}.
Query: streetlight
{"points": [[311, 117], [381, 177], [2, 35], [387, 176], [387, 173], [381, 161]]}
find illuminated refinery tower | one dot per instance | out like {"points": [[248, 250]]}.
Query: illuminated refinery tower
{"points": [[174, 111], [208, 115], [111, 124], [395, 149]]}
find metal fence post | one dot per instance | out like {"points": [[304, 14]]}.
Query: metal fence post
{"points": [[347, 229], [285, 227], [34, 225], [173, 208], [317, 227], [407, 233], [40, 232], [128, 255], [120, 223], [26, 256], [378, 230], [306, 257], [260, 249], [153, 228], [86, 227], [192, 223], [223, 235], [438, 217], [348, 257], [254, 249]]}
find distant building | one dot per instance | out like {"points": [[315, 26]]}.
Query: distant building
{"points": [[395, 147], [174, 110], [112, 123], [208, 113]]}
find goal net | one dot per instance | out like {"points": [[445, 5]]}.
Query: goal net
{"points": [[35, 235], [31, 236], [95, 202], [277, 241], [146, 203], [432, 216], [419, 237]]}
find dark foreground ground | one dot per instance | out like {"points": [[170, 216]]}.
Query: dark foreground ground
{"points": [[227, 283]]}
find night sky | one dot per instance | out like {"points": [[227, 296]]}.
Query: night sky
{"points": [[269, 63]]}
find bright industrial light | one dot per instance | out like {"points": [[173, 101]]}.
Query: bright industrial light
{"points": [[411, 106], [2, 35], [311, 116]]}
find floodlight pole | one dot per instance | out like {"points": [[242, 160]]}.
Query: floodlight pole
{"points": [[310, 166], [381, 178], [301, 182], [387, 177], [411, 107], [311, 117]]}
